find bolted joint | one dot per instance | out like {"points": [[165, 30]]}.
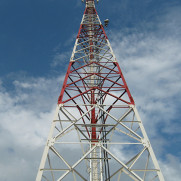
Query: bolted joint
{"points": [[60, 105], [131, 105], [51, 142], [146, 143]]}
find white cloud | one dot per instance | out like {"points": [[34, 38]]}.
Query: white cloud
{"points": [[152, 69], [26, 114], [171, 168], [60, 59]]}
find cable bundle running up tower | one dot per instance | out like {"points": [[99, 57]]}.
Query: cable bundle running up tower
{"points": [[97, 133]]}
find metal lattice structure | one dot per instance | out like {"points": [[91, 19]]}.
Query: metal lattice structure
{"points": [[97, 133]]}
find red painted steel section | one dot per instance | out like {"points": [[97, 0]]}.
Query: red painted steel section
{"points": [[93, 117], [114, 96], [124, 81], [79, 31], [64, 84], [76, 96]]}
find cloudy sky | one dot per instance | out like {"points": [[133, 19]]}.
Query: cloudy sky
{"points": [[36, 40]]}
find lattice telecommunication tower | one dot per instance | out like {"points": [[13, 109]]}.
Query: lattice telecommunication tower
{"points": [[97, 133]]}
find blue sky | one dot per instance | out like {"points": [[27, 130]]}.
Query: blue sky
{"points": [[31, 30], [36, 40]]}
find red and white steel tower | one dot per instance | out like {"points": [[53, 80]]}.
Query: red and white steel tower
{"points": [[97, 133]]}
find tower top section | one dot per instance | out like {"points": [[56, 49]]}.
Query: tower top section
{"points": [[90, 3]]}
